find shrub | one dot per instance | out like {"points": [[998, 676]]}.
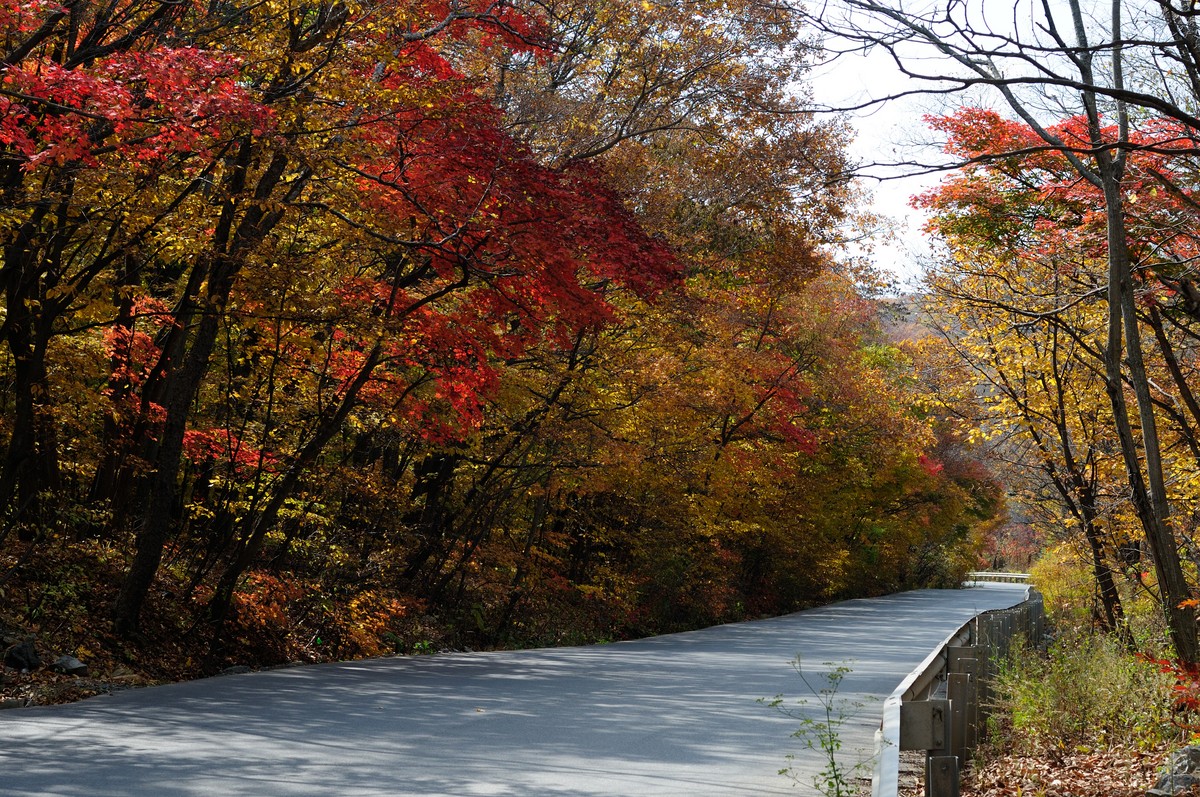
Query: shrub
{"points": [[1063, 577], [1086, 693]]}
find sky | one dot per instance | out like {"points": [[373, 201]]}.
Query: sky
{"points": [[893, 130], [886, 132]]}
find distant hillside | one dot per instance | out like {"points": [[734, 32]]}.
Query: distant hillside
{"points": [[902, 317]]}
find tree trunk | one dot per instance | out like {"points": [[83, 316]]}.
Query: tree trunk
{"points": [[232, 240], [1148, 491], [158, 516]]}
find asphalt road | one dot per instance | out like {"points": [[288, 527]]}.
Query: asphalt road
{"points": [[672, 715]]}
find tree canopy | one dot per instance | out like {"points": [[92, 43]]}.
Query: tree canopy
{"points": [[334, 329]]}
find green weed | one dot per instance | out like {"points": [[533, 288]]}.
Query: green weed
{"points": [[1085, 693], [820, 731]]}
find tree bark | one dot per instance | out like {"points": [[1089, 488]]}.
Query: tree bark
{"points": [[182, 379], [1148, 490]]}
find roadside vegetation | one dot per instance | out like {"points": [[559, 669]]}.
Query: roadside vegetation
{"points": [[1091, 713]]}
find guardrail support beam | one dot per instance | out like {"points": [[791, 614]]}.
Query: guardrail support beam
{"points": [[941, 776]]}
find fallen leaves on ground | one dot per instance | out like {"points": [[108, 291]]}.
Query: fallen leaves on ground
{"points": [[1106, 773], [43, 688]]}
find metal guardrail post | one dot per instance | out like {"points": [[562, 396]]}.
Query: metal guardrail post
{"points": [[941, 776], [958, 688], [930, 725], [964, 663]]}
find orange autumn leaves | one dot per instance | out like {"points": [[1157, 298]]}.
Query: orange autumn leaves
{"points": [[313, 318]]}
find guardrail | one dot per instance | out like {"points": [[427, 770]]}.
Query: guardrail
{"points": [[941, 707], [979, 576]]}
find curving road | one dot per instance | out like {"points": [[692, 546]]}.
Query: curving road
{"points": [[672, 715]]}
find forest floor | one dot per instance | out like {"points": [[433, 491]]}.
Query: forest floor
{"points": [[162, 655], [45, 688], [1116, 772]]}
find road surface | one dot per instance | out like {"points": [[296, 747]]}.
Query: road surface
{"points": [[672, 715]]}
